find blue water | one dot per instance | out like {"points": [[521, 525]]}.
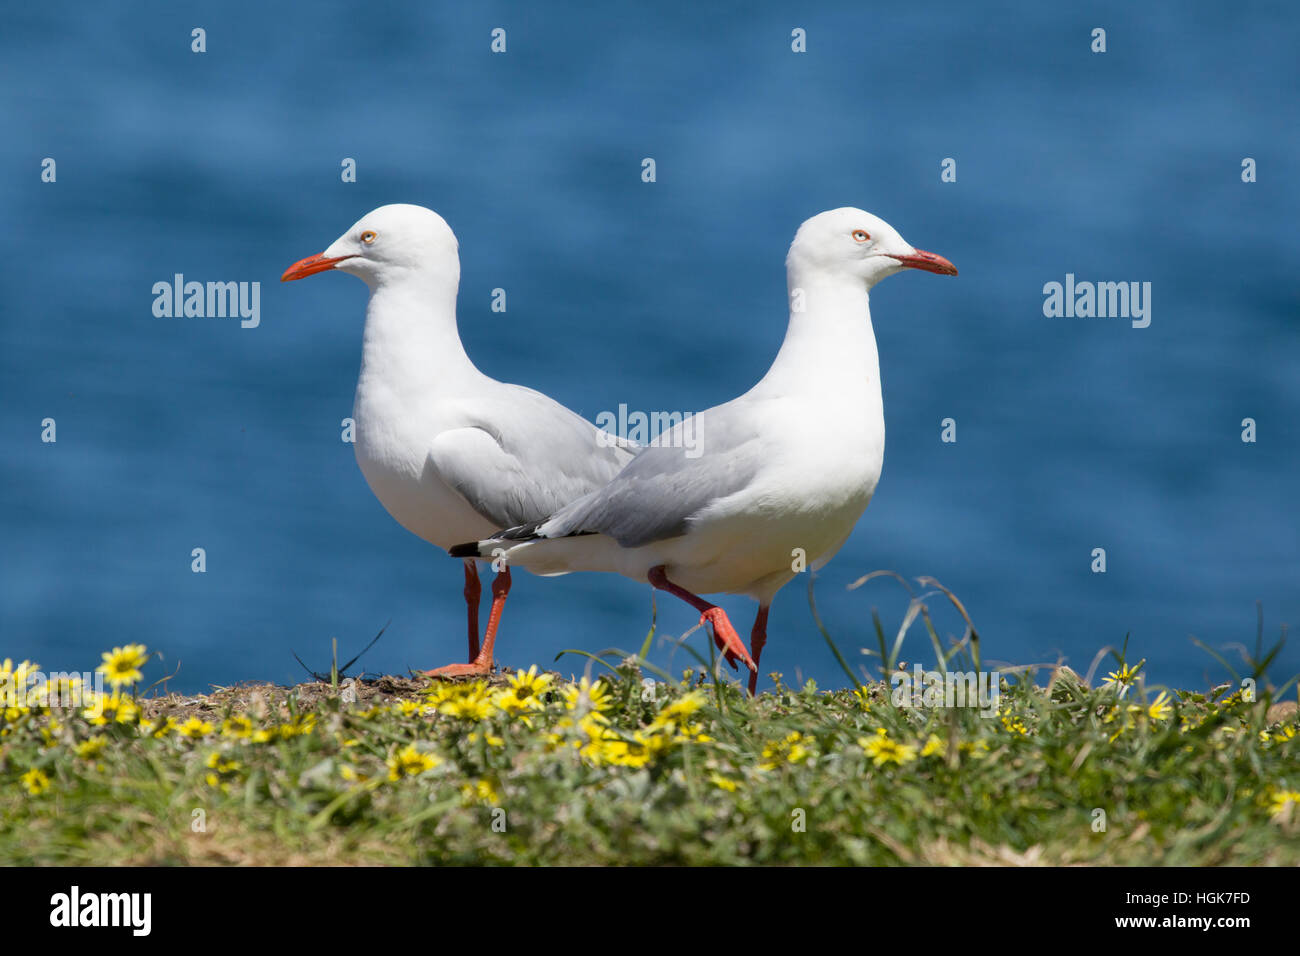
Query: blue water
{"points": [[1073, 434]]}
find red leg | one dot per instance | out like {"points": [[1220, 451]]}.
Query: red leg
{"points": [[482, 662], [757, 638], [472, 592], [724, 635]]}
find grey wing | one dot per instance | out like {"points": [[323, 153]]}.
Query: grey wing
{"points": [[657, 494], [526, 459]]}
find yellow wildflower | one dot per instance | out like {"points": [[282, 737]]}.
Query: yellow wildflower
{"points": [[480, 791], [114, 709], [122, 664], [466, 701], [1159, 708], [238, 727], [1282, 804], [882, 750], [299, 726], [588, 695], [724, 783], [15, 678], [409, 762], [194, 728], [36, 781], [1123, 678], [91, 748], [524, 693], [793, 749], [223, 771]]}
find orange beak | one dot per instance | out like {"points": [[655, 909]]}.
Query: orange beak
{"points": [[927, 262], [310, 266]]}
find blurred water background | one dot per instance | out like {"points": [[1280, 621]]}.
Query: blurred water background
{"points": [[1073, 434]]}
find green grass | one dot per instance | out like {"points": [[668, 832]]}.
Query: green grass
{"points": [[684, 772]]}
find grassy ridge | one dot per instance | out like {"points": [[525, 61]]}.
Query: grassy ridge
{"points": [[533, 769]]}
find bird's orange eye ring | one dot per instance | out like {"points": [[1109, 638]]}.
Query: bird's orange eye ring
{"points": [[367, 237], [861, 235]]}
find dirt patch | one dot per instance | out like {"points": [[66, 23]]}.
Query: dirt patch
{"points": [[267, 701]]}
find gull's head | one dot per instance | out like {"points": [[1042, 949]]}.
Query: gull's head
{"points": [[388, 243], [853, 242]]}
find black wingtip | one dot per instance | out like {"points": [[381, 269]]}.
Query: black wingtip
{"points": [[467, 550]]}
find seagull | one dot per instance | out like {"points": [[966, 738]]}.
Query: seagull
{"points": [[451, 453], [772, 482]]}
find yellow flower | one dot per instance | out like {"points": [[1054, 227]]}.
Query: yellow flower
{"points": [[690, 733], [36, 781], [1282, 804], [15, 678], [409, 762], [114, 709], [480, 791], [606, 746], [595, 694], [1012, 723], [683, 707], [724, 783], [466, 701], [882, 750], [863, 696], [194, 728], [122, 664], [1159, 708], [1229, 702], [91, 748], [637, 752], [791, 750], [1123, 678], [524, 693], [224, 771], [158, 729], [1190, 722], [238, 727], [675, 716], [299, 726], [933, 745]]}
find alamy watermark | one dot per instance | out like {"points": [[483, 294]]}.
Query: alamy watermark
{"points": [[60, 689], [211, 300], [667, 429], [935, 689], [1102, 300]]}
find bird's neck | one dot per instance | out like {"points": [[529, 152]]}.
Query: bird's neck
{"points": [[829, 344], [411, 344]]}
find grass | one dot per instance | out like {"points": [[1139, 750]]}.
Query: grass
{"points": [[530, 768]]}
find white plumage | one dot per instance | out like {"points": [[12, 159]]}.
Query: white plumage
{"points": [[783, 472], [451, 453]]}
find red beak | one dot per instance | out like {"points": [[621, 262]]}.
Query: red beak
{"points": [[310, 266], [927, 262]]}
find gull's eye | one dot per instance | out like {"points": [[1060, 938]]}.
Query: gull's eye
{"points": [[860, 235], [367, 237]]}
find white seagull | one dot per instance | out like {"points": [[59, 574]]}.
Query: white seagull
{"points": [[779, 476], [451, 453]]}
